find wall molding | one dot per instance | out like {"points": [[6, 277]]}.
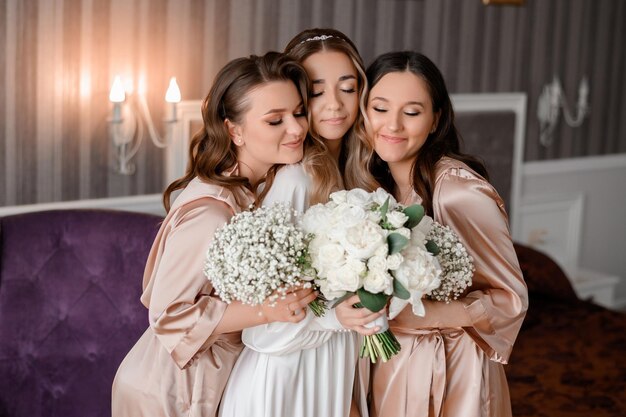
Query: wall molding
{"points": [[588, 163], [148, 203]]}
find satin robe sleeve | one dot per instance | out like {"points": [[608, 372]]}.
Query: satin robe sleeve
{"points": [[292, 185], [498, 298], [183, 313]]}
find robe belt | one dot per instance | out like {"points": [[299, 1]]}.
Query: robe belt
{"points": [[425, 396]]}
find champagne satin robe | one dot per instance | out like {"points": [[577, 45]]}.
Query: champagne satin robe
{"points": [[179, 367], [458, 371]]}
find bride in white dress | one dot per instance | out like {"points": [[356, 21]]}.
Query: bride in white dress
{"points": [[300, 370], [311, 369]]}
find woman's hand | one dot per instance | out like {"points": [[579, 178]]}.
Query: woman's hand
{"points": [[356, 318], [292, 308]]}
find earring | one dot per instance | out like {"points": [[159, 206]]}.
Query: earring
{"points": [[238, 141]]}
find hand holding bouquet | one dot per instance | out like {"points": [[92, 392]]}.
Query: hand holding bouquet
{"points": [[258, 253]]}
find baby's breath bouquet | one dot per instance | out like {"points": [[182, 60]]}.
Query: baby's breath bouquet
{"points": [[456, 263], [368, 244], [258, 253]]}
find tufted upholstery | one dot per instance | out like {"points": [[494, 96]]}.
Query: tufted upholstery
{"points": [[70, 282]]}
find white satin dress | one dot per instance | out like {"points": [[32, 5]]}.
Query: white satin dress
{"points": [[306, 369]]}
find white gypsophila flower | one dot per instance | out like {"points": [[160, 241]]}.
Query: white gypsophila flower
{"points": [[397, 219], [255, 254], [456, 263]]}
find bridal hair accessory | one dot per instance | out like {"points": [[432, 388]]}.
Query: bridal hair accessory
{"points": [[318, 38]]}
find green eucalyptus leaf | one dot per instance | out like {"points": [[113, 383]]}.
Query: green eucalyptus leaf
{"points": [[399, 290], [415, 214], [373, 302], [432, 247], [396, 242], [384, 209]]}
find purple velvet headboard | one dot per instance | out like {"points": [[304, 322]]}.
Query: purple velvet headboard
{"points": [[70, 282]]}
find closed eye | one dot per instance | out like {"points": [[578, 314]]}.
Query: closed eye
{"points": [[275, 122], [379, 110]]}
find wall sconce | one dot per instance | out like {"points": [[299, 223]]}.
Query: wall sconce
{"points": [[549, 103], [126, 128]]}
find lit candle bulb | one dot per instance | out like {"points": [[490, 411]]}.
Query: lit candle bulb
{"points": [[117, 97], [172, 96]]}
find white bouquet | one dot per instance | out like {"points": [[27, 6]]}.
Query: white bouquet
{"points": [[256, 254], [366, 243], [456, 263]]}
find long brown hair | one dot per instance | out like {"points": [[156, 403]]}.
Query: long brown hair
{"points": [[327, 174], [444, 141], [211, 151]]}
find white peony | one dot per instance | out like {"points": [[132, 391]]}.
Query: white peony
{"points": [[329, 255], [363, 240], [396, 219], [419, 270]]}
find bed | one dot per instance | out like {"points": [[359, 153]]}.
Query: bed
{"points": [[567, 360]]}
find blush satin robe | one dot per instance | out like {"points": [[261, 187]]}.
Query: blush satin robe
{"points": [[179, 367], [458, 371]]}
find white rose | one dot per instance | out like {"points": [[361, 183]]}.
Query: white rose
{"points": [[327, 292], [359, 197], [394, 261], [380, 196], [339, 196], [363, 240], [377, 281], [316, 219], [382, 251], [397, 219], [377, 263], [326, 255], [374, 216], [403, 231], [347, 277]]}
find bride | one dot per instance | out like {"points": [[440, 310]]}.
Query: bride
{"points": [[311, 368]]}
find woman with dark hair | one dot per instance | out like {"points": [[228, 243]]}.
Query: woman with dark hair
{"points": [[451, 361], [254, 121]]}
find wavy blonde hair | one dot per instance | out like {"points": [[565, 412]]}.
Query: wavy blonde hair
{"points": [[351, 171], [211, 151]]}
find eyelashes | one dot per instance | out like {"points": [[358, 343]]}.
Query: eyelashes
{"points": [[343, 90]]}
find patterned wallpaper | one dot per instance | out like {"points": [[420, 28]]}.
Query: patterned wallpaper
{"points": [[58, 59]]}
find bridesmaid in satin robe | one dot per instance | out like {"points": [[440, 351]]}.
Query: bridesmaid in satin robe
{"points": [[254, 118], [451, 361]]}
